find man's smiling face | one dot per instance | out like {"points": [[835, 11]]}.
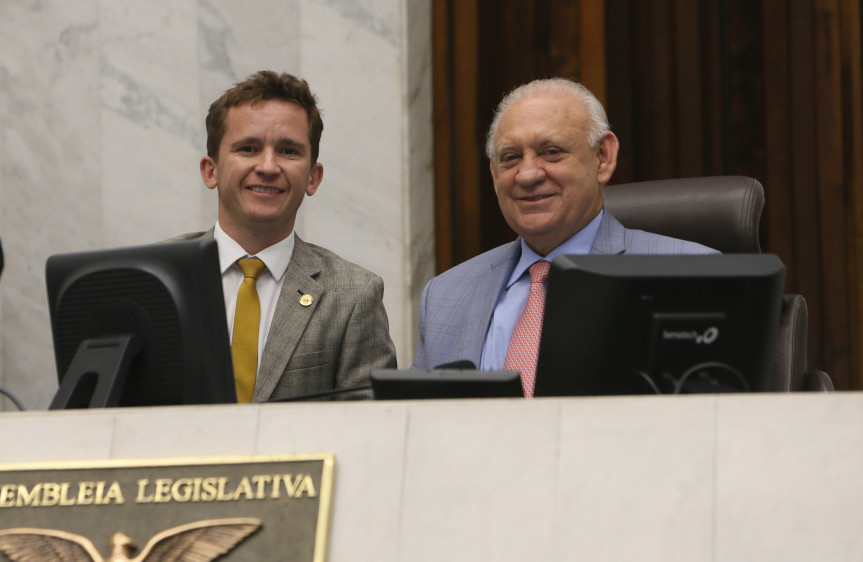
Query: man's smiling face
{"points": [[547, 178], [263, 170]]}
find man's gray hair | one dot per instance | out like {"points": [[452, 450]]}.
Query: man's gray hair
{"points": [[554, 86]]}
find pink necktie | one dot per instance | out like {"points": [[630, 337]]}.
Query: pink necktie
{"points": [[524, 345]]}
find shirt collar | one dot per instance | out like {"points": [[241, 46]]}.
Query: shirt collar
{"points": [[275, 257], [579, 243]]}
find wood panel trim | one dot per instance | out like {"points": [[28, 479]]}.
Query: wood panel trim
{"points": [[831, 189], [591, 48], [852, 111]]}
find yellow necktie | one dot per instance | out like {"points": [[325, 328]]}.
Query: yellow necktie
{"points": [[247, 319]]}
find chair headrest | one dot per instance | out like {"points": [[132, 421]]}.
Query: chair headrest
{"points": [[722, 212]]}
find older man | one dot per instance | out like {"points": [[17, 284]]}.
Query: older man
{"points": [[303, 320], [551, 153]]}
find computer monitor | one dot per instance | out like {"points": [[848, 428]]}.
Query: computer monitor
{"points": [[140, 326], [637, 324]]}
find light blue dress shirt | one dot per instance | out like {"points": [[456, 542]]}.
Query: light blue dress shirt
{"points": [[514, 297]]}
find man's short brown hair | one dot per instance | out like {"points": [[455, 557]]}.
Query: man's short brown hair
{"points": [[263, 86]]}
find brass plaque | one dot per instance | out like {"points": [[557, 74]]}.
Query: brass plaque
{"points": [[225, 508]]}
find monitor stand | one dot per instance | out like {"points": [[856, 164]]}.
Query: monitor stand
{"points": [[97, 374]]}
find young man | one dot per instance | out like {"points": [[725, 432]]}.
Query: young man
{"points": [[319, 323]]}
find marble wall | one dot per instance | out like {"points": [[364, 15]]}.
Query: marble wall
{"points": [[102, 106]]}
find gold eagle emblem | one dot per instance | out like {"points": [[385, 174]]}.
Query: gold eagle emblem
{"points": [[200, 541]]}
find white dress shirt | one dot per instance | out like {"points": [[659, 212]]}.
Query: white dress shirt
{"points": [[269, 284]]}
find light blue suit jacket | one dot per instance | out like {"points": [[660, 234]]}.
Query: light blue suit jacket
{"points": [[456, 306]]}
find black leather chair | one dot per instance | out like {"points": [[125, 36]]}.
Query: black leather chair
{"points": [[722, 212], [790, 366]]}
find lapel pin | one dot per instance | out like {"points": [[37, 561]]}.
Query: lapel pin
{"points": [[306, 300]]}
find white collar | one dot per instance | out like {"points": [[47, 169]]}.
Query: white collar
{"points": [[275, 257]]}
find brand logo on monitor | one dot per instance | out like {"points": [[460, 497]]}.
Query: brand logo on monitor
{"points": [[706, 337]]}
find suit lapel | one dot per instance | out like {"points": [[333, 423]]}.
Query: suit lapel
{"points": [[486, 293], [290, 317], [610, 238]]}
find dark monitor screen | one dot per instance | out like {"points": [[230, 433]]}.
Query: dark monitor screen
{"points": [[639, 324], [140, 326]]}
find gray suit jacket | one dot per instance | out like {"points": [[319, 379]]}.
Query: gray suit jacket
{"points": [[335, 342], [457, 306]]}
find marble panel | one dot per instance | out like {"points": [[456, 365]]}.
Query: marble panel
{"points": [[50, 157], [636, 479], [478, 476], [32, 437], [236, 39], [151, 135], [203, 431], [789, 485], [368, 440]]}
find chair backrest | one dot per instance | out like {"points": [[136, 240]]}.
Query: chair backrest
{"points": [[789, 362], [721, 212]]}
